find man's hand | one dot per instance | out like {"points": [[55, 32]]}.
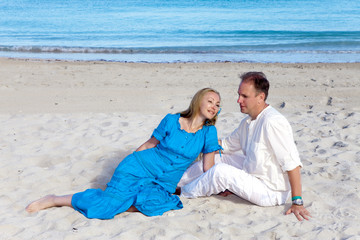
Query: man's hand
{"points": [[299, 211]]}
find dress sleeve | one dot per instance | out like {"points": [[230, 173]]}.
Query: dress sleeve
{"points": [[211, 140], [161, 131]]}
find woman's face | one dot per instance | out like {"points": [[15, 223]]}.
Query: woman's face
{"points": [[209, 105]]}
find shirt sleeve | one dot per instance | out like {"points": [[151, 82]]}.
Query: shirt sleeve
{"points": [[161, 131], [232, 143], [211, 141], [280, 137]]}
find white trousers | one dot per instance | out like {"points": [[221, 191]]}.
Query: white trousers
{"points": [[227, 174]]}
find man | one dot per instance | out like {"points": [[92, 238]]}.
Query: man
{"points": [[267, 170]]}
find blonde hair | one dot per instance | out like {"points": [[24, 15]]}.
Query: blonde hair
{"points": [[194, 106]]}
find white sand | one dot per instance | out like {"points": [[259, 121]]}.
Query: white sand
{"points": [[66, 125]]}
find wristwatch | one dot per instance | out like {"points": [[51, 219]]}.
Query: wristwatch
{"points": [[298, 202]]}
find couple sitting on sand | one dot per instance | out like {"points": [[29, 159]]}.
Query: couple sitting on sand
{"points": [[266, 172]]}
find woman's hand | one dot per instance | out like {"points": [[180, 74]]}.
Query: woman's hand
{"points": [[152, 142]]}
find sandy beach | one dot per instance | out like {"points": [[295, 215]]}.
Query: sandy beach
{"points": [[65, 125]]}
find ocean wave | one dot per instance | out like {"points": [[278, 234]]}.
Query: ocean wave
{"points": [[279, 48], [116, 42]]}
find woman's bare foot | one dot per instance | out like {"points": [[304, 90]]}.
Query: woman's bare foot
{"points": [[132, 209], [42, 203]]}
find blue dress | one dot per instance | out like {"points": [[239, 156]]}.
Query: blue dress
{"points": [[147, 179]]}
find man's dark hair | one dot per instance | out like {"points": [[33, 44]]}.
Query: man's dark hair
{"points": [[259, 80]]}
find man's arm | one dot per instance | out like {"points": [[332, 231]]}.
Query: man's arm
{"points": [[282, 141], [295, 183], [232, 142]]}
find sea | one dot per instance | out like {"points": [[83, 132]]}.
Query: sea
{"points": [[288, 31]]}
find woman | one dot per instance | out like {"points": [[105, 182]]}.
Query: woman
{"points": [[146, 179]]}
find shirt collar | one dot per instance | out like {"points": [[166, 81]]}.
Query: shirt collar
{"points": [[258, 116]]}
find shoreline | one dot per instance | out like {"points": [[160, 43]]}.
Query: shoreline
{"points": [[197, 57], [165, 62]]}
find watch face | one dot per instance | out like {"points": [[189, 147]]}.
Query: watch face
{"points": [[298, 202]]}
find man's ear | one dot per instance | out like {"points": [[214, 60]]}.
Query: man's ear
{"points": [[262, 96]]}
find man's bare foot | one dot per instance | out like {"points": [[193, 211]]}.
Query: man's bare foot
{"points": [[225, 193], [42, 203]]}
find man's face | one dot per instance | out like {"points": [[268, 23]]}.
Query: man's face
{"points": [[248, 98]]}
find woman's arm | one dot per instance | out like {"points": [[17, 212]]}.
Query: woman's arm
{"points": [[208, 161], [152, 142]]}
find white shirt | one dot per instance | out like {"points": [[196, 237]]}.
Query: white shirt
{"points": [[268, 145]]}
